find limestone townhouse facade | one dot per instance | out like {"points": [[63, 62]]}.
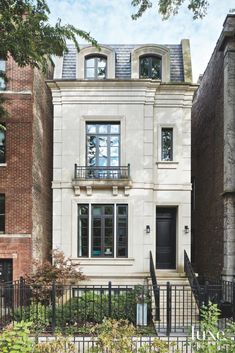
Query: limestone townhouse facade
{"points": [[121, 159]]}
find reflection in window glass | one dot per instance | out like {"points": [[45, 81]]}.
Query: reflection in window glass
{"points": [[83, 228], [95, 67], [101, 230], [103, 145], [2, 143], [167, 144], [150, 67], [2, 71]]}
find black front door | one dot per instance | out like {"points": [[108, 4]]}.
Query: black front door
{"points": [[166, 238], [6, 270]]}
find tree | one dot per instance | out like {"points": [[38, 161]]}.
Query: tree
{"points": [[168, 8], [27, 35]]}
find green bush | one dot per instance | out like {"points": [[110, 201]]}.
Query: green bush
{"points": [[93, 308], [16, 339], [36, 313]]}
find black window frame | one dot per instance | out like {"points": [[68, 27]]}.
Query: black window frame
{"points": [[104, 253], [96, 67], [2, 213], [150, 58], [81, 217], [171, 150], [97, 135]]}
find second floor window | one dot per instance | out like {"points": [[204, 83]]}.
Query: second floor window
{"points": [[95, 67], [2, 143], [167, 144], [2, 72], [103, 144], [150, 67]]}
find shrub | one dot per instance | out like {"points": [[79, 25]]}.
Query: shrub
{"points": [[16, 339], [93, 308], [36, 313], [58, 345]]}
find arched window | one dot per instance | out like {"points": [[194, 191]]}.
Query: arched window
{"points": [[150, 67], [95, 67]]}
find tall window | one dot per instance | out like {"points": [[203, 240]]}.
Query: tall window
{"points": [[103, 144], [2, 72], [95, 67], [150, 67], [102, 231], [2, 143], [2, 213], [167, 144]]}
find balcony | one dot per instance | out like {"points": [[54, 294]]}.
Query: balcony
{"points": [[101, 177]]}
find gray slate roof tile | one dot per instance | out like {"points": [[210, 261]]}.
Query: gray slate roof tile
{"points": [[123, 61]]}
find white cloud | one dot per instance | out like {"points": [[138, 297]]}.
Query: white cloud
{"points": [[109, 21]]}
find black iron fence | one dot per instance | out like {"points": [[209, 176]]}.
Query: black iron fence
{"points": [[75, 309], [104, 172]]}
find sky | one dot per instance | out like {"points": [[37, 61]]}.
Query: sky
{"points": [[109, 22]]}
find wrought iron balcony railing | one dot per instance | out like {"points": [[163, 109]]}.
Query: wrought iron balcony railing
{"points": [[94, 172]]}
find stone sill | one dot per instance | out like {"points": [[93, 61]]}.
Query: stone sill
{"points": [[4, 235], [3, 164], [89, 185], [103, 262], [167, 165]]}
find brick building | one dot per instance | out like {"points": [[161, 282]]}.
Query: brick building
{"points": [[25, 170], [213, 161]]}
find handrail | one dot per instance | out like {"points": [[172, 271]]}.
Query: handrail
{"points": [[193, 281], [156, 291], [101, 172]]}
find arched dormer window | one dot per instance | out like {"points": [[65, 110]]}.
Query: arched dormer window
{"points": [[95, 67], [96, 64], [150, 67], [151, 60]]}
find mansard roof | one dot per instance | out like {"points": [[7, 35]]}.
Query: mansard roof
{"points": [[123, 61]]}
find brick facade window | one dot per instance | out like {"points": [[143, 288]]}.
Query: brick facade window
{"points": [[2, 143], [2, 213], [2, 72]]}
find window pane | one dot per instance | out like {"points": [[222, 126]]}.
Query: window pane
{"points": [[90, 73], [91, 128], [90, 62], [91, 150], [2, 144], [167, 144], [114, 128], [156, 68], [2, 65], [83, 230], [150, 67], [102, 146], [96, 210], [122, 231], [114, 141]]}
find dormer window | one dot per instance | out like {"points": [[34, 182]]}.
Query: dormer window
{"points": [[150, 67], [151, 61], [95, 67]]}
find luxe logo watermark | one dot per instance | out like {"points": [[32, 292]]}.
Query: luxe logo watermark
{"points": [[208, 335]]}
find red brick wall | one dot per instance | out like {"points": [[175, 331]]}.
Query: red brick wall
{"points": [[207, 168], [26, 194]]}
